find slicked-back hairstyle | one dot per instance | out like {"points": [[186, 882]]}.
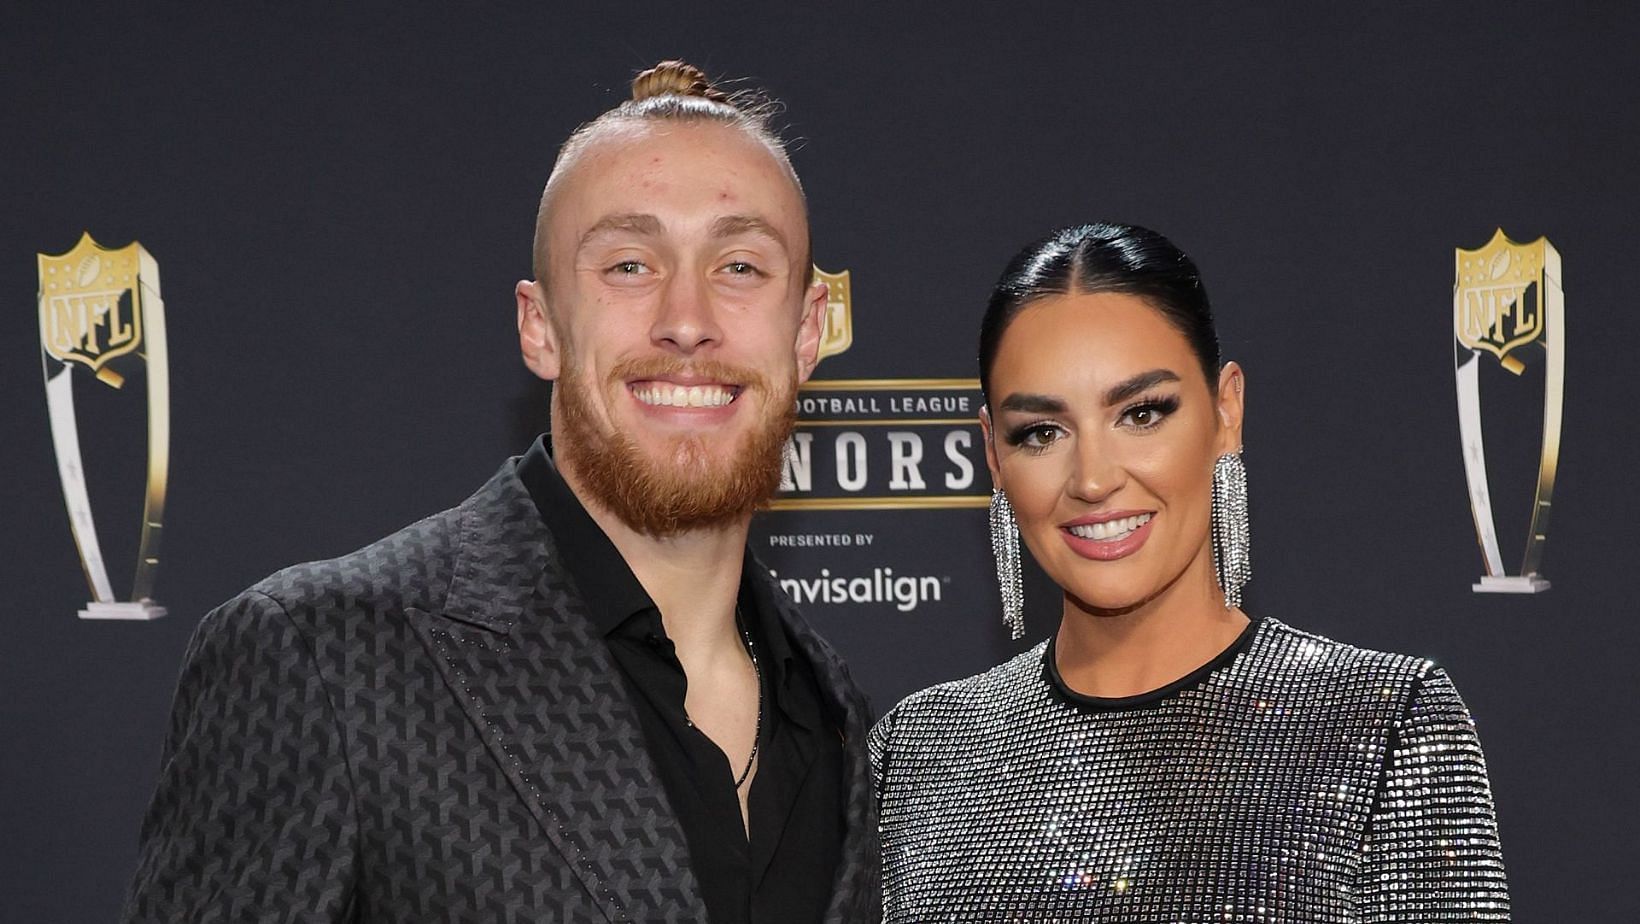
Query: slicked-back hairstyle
{"points": [[1103, 257], [671, 91]]}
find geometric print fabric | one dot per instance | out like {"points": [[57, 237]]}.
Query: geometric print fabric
{"points": [[428, 729]]}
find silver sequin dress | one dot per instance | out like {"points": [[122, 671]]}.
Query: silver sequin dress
{"points": [[1293, 779]]}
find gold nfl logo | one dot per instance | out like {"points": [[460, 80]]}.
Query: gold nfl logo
{"points": [[1499, 298], [839, 331], [91, 305]]}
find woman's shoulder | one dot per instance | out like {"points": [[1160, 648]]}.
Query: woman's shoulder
{"points": [[1296, 655], [975, 694], [1279, 661]]}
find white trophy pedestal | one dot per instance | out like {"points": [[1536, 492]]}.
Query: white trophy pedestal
{"points": [[141, 610], [1512, 584]]}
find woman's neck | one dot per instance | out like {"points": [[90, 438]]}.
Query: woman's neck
{"points": [[1113, 655]]}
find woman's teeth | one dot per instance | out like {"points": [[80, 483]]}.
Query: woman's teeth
{"points": [[661, 394], [1111, 529]]}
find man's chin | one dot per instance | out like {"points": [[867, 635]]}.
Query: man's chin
{"points": [[679, 486], [690, 458]]}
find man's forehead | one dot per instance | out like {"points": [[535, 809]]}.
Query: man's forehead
{"points": [[631, 163], [620, 153]]}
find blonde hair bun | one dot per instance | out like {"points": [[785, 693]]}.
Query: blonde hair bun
{"points": [[675, 78]]}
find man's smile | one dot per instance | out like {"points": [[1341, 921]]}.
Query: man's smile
{"points": [[675, 394]]}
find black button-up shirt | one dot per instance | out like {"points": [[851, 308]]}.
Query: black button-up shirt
{"points": [[783, 872]]}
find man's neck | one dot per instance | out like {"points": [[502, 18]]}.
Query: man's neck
{"points": [[693, 577], [694, 580]]}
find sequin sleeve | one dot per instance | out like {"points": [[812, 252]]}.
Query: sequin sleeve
{"points": [[1432, 851], [877, 747]]}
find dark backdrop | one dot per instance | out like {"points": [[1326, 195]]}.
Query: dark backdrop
{"points": [[340, 202]]}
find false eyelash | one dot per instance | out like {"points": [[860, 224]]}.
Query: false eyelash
{"points": [[1162, 405], [1167, 404]]}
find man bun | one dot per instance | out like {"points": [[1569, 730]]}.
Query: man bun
{"points": [[677, 92], [675, 78]]}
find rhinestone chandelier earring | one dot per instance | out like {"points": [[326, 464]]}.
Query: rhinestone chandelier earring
{"points": [[1005, 546], [1232, 547]]}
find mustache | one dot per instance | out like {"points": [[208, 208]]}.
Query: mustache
{"points": [[655, 367]]}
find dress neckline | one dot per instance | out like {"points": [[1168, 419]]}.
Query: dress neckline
{"points": [[1062, 690]]}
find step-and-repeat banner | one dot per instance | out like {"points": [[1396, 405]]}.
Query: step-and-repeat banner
{"points": [[1416, 227]]}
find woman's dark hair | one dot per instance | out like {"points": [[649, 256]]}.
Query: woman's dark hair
{"points": [[1103, 257]]}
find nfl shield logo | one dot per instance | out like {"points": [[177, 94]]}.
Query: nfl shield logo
{"points": [[839, 331], [1497, 297], [91, 305]]}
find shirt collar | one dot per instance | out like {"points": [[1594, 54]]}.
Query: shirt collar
{"points": [[613, 593]]}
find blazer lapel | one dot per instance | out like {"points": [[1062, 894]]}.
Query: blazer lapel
{"points": [[857, 887], [516, 649]]}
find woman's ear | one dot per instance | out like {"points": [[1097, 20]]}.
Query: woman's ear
{"points": [[1232, 404], [987, 436]]}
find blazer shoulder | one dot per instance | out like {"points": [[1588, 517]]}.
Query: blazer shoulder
{"points": [[826, 661], [408, 568]]}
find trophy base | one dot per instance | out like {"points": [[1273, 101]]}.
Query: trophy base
{"points": [[142, 610], [1512, 584]]}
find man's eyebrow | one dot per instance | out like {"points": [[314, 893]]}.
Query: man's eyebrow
{"points": [[732, 225], [629, 222], [1139, 383], [1033, 404]]}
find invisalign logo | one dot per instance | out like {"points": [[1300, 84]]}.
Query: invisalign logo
{"points": [[906, 592]]}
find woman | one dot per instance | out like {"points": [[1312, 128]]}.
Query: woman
{"points": [[1163, 757]]}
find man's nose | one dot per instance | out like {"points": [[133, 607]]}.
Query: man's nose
{"points": [[686, 319]]}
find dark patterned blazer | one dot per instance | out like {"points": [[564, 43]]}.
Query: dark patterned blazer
{"points": [[429, 729]]}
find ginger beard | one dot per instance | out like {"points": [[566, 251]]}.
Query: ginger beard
{"points": [[683, 488]]}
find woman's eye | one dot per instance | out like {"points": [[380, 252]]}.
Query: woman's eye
{"points": [[1039, 437], [1149, 414]]}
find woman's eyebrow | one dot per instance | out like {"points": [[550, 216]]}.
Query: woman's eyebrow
{"points": [[1139, 383], [1033, 404]]}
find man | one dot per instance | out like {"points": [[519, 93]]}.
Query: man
{"points": [[575, 697]]}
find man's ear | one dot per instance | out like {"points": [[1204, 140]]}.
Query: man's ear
{"points": [[810, 329], [536, 339]]}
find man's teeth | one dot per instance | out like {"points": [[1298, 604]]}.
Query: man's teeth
{"points": [[1112, 529], [665, 395]]}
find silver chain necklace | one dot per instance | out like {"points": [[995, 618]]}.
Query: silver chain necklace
{"points": [[757, 733]]}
